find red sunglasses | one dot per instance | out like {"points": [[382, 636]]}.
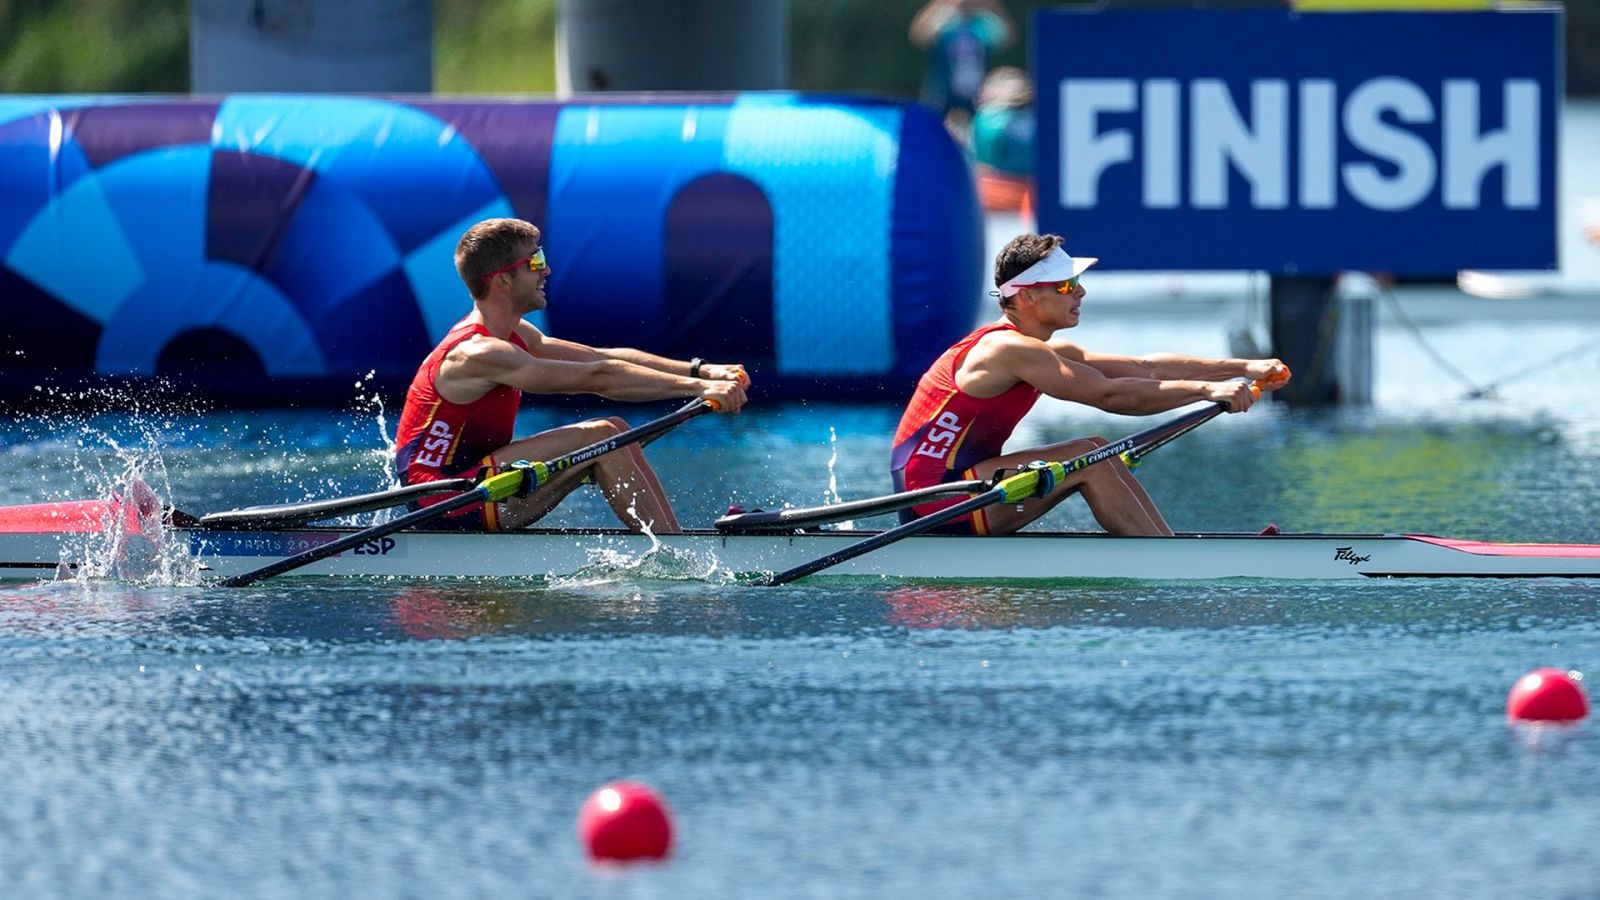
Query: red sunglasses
{"points": [[535, 263]]}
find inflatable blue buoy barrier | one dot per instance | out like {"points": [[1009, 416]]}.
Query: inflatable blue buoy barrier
{"points": [[282, 247]]}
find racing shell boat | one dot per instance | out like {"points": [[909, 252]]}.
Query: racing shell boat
{"points": [[43, 541]]}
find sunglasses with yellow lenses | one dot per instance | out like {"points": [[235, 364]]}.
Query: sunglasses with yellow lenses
{"points": [[1061, 287], [535, 263]]}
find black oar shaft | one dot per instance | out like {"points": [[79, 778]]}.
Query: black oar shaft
{"points": [[780, 520], [286, 514]]}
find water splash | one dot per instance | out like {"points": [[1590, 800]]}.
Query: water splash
{"points": [[119, 479], [832, 498], [381, 457], [606, 565], [644, 526]]}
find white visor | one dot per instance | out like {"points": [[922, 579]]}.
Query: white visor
{"points": [[1058, 266]]}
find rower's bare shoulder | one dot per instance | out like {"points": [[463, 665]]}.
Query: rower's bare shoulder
{"points": [[1068, 350], [483, 353], [1004, 354], [1007, 341], [1001, 346]]}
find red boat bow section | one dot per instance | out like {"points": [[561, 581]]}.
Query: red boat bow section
{"points": [[1489, 548], [138, 512]]}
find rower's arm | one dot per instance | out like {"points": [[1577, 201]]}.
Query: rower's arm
{"points": [[561, 367], [572, 351], [1060, 376], [648, 360], [1173, 365], [547, 347]]}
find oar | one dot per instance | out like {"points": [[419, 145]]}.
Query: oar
{"points": [[781, 520], [281, 515], [522, 478], [1034, 481], [284, 514], [1133, 457]]}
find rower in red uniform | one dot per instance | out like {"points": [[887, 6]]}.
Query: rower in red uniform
{"points": [[970, 400], [461, 408]]}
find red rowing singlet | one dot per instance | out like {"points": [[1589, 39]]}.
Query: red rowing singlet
{"points": [[945, 431], [438, 439]]}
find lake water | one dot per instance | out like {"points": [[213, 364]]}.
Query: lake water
{"points": [[1242, 739], [1238, 739]]}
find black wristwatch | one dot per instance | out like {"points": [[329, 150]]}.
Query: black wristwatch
{"points": [[694, 367]]}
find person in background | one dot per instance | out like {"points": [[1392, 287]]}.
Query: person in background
{"points": [[1002, 140], [461, 409], [970, 400], [959, 38]]}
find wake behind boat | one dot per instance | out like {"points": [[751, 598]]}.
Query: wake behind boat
{"points": [[37, 542]]}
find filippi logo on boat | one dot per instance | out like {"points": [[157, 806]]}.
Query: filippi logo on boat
{"points": [[1349, 555], [1295, 143]]}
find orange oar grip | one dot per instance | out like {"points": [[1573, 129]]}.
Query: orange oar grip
{"points": [[1282, 375], [715, 405]]}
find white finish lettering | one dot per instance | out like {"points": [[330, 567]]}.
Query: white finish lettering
{"points": [[1385, 119], [1363, 122], [1161, 144], [1319, 144], [1469, 154], [1219, 137], [1085, 152]]}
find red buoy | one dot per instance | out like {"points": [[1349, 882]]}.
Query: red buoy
{"points": [[625, 820], [1547, 695]]}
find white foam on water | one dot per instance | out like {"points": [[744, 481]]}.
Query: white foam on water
{"points": [[606, 565]]}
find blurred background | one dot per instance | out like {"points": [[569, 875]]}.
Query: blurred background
{"points": [[508, 46], [492, 49]]}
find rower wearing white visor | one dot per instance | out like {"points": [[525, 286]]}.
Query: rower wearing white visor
{"points": [[970, 400]]}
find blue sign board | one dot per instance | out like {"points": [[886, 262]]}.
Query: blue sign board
{"points": [[1300, 143]]}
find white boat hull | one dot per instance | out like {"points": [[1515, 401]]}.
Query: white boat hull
{"points": [[1022, 557]]}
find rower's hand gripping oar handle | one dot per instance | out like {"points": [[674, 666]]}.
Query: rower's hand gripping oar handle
{"points": [[1037, 479], [1131, 458]]}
